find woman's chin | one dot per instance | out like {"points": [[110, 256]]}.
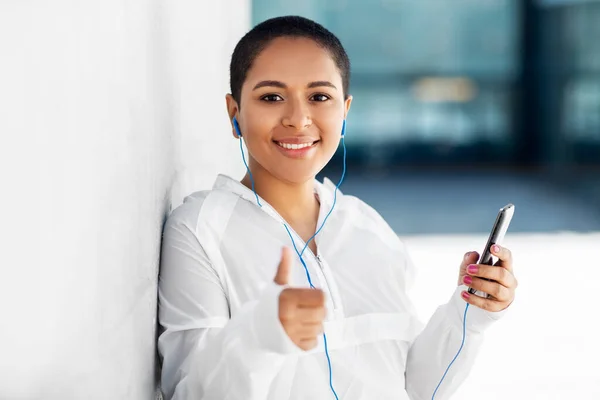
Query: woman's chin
{"points": [[296, 176]]}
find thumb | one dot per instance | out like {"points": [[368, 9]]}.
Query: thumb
{"points": [[282, 276]]}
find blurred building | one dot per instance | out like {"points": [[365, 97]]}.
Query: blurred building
{"points": [[466, 82]]}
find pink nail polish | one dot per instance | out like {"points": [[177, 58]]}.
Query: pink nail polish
{"points": [[465, 295], [496, 249], [472, 269], [467, 280]]}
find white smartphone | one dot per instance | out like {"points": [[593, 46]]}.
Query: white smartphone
{"points": [[496, 236]]}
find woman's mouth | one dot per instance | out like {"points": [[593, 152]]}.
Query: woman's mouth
{"points": [[297, 150], [296, 146]]}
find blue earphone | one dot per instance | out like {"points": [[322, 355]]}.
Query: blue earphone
{"points": [[237, 127], [239, 132]]}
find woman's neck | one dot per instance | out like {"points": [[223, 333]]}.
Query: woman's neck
{"points": [[296, 203]]}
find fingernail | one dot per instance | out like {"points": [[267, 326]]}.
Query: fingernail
{"points": [[495, 248], [467, 280], [467, 255], [472, 269], [465, 295]]}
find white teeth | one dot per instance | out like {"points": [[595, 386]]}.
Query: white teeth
{"points": [[294, 146]]}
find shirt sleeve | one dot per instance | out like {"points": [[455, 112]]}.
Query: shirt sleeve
{"points": [[206, 354], [436, 346]]}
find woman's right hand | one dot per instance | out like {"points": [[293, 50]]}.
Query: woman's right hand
{"points": [[301, 311]]}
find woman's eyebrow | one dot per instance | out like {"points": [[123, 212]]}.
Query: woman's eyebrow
{"points": [[321, 83], [269, 83], [282, 85]]}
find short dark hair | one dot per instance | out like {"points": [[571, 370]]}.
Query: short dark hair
{"points": [[253, 42]]}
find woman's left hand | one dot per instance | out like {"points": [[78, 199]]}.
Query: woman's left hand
{"points": [[501, 285]]}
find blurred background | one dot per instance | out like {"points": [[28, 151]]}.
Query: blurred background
{"points": [[112, 111], [463, 106]]}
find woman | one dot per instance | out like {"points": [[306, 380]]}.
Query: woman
{"points": [[328, 316]]}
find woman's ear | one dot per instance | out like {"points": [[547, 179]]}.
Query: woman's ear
{"points": [[232, 111], [347, 104]]}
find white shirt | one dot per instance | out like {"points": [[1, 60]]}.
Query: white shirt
{"points": [[221, 337]]}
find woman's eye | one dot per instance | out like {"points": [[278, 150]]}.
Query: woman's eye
{"points": [[320, 97], [271, 97]]}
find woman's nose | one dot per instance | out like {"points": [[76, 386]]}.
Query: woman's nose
{"points": [[297, 115]]}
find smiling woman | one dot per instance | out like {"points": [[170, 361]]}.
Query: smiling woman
{"points": [[245, 318]]}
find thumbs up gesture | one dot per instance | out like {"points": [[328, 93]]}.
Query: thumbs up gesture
{"points": [[301, 311]]}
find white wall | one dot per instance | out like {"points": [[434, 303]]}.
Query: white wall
{"points": [[110, 111]]}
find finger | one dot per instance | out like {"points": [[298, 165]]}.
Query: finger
{"points": [[308, 344], [310, 298], [292, 300], [282, 277], [287, 305], [504, 256], [470, 258], [496, 290], [309, 332], [497, 274], [483, 303], [312, 315]]}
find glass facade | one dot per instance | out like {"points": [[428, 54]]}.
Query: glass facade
{"points": [[580, 95]]}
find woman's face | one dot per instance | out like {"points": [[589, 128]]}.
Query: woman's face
{"points": [[292, 110]]}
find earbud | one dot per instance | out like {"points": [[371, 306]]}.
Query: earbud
{"points": [[237, 127], [344, 128]]}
